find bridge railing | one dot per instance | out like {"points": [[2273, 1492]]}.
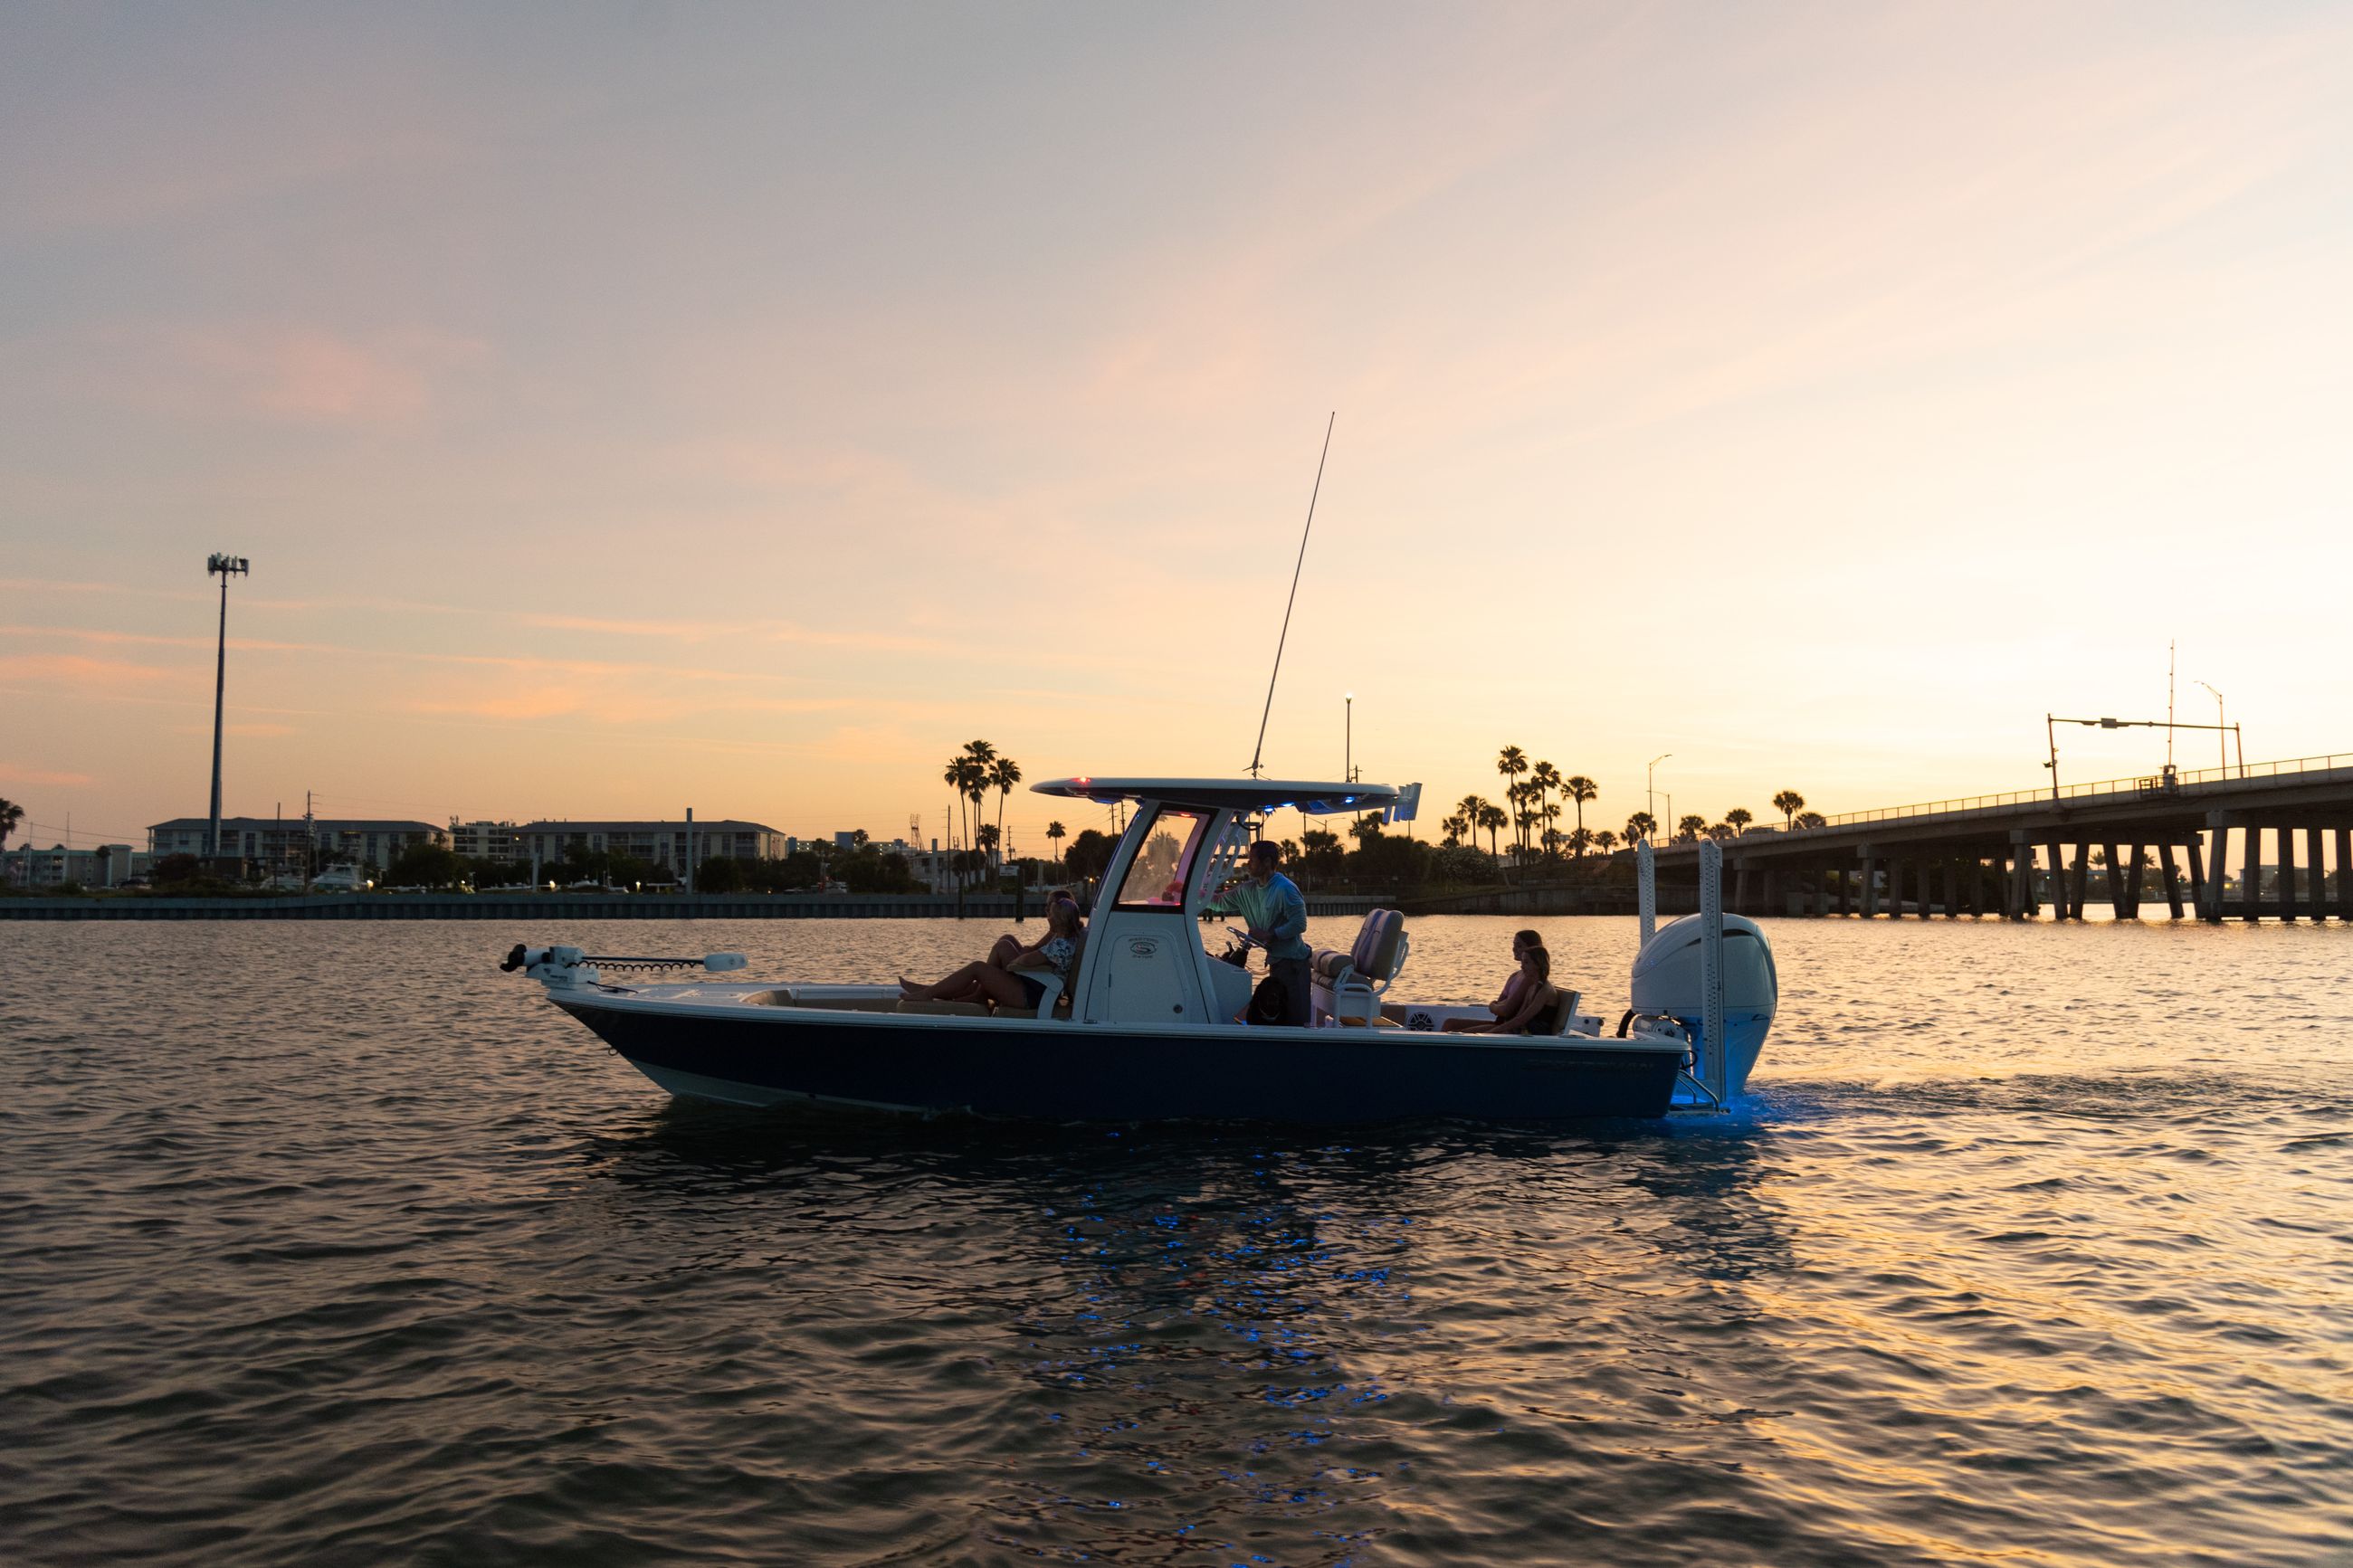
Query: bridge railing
{"points": [[2148, 787]]}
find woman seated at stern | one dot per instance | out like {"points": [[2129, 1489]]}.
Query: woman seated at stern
{"points": [[1532, 999], [1007, 976]]}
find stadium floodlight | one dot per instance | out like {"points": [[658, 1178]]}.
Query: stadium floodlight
{"points": [[224, 567]]}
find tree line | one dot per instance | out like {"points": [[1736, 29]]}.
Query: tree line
{"points": [[1531, 815]]}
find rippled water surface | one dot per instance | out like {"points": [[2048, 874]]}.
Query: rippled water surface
{"points": [[327, 1243]]}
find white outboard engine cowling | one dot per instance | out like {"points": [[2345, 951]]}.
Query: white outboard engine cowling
{"points": [[1666, 984]]}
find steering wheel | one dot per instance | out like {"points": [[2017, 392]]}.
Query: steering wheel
{"points": [[1243, 936]]}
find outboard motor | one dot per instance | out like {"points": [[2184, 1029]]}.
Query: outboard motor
{"points": [[1667, 985]]}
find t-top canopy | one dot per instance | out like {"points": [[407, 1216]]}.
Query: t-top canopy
{"points": [[1240, 794]]}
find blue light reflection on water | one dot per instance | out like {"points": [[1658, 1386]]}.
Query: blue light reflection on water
{"points": [[323, 1245]]}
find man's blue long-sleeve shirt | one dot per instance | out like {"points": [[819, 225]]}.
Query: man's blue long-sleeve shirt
{"points": [[1277, 909]]}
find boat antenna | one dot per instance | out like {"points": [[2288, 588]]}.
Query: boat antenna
{"points": [[1259, 751]]}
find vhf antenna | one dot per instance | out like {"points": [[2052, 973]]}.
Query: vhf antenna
{"points": [[1259, 751]]}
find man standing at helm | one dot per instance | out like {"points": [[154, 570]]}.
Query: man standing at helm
{"points": [[1276, 912]]}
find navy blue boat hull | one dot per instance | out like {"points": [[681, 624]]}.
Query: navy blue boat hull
{"points": [[1060, 1071]]}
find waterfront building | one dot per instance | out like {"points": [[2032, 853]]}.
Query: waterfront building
{"points": [[282, 843], [662, 844], [498, 841], [107, 866]]}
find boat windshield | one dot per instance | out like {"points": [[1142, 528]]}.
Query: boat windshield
{"points": [[1157, 880]]}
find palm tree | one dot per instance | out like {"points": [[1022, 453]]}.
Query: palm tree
{"points": [[1452, 827], [1812, 819], [1469, 805], [985, 839], [1004, 772], [1605, 841], [1738, 818], [1492, 817], [1580, 789], [1055, 834], [1580, 839], [953, 776], [1545, 778], [1640, 826], [1511, 762], [1689, 829], [1788, 803], [860, 838], [11, 813], [979, 757]]}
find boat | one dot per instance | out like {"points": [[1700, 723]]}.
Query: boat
{"points": [[1150, 1024]]}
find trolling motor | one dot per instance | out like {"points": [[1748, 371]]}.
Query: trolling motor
{"points": [[555, 966]]}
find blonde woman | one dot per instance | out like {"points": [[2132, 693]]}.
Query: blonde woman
{"points": [[1012, 982]]}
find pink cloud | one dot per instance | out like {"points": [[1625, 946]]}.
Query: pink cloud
{"points": [[297, 375], [14, 774], [74, 671]]}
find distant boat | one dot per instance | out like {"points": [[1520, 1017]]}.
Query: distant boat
{"points": [[1151, 1025]]}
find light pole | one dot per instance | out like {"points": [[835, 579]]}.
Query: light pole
{"points": [[224, 567], [1348, 738], [1650, 794], [2220, 723]]}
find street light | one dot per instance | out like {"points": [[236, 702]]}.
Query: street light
{"points": [[1650, 794], [1348, 738], [2220, 723], [224, 567]]}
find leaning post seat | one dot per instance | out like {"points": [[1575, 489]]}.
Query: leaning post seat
{"points": [[1348, 985]]}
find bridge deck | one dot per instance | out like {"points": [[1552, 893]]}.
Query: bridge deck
{"points": [[1916, 853]]}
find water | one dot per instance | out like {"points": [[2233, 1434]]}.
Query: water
{"points": [[328, 1244]]}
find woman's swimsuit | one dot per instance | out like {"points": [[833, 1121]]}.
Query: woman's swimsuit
{"points": [[1058, 952]]}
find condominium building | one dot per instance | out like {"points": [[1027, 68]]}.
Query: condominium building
{"points": [[275, 842], [108, 865], [499, 841], [660, 844]]}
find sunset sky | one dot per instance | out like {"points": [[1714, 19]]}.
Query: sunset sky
{"points": [[645, 406]]}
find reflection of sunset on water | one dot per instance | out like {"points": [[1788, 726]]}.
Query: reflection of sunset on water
{"points": [[1978, 1272]]}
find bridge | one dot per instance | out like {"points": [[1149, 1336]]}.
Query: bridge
{"points": [[2009, 854]]}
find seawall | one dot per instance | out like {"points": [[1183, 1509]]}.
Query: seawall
{"points": [[564, 906]]}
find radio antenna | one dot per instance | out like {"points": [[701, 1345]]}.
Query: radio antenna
{"points": [[1259, 751]]}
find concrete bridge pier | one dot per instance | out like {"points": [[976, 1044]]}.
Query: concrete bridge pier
{"points": [[2345, 873], [2312, 849], [2254, 874], [2218, 823], [2286, 837]]}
